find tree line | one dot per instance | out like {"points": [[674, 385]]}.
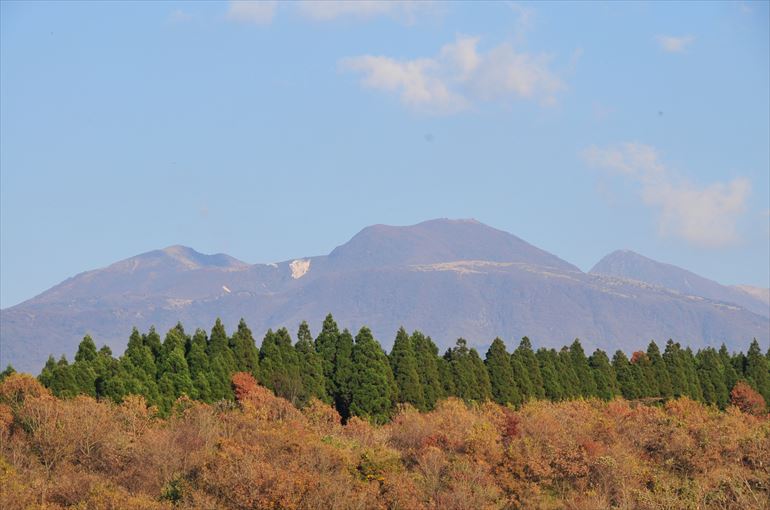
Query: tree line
{"points": [[358, 378]]}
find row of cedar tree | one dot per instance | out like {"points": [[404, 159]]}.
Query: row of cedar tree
{"points": [[360, 379]]}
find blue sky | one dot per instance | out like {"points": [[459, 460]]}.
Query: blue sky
{"points": [[270, 131]]}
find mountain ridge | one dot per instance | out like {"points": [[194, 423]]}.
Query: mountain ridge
{"points": [[448, 278]]}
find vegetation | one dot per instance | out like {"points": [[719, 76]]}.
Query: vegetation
{"points": [[262, 452], [211, 421], [360, 379]]}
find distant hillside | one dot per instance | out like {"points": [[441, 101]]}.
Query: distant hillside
{"points": [[627, 264], [449, 278]]}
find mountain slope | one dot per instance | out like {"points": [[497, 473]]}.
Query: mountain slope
{"points": [[448, 278], [627, 264]]}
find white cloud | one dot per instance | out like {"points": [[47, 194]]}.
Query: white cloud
{"points": [[460, 76], [702, 215], [673, 44], [404, 10], [258, 12]]}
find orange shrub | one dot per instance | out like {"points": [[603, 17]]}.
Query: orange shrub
{"points": [[745, 398]]}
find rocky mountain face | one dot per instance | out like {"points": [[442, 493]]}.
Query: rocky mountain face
{"points": [[448, 278]]}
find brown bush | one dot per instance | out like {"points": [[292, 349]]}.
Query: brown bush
{"points": [[748, 400], [264, 453]]}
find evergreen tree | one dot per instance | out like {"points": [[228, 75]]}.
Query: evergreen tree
{"points": [[676, 369], [426, 355], [521, 376], [311, 366], [174, 339], [105, 367], [343, 374], [461, 368], [644, 374], [757, 370], [198, 365], [503, 386], [86, 350], [730, 374], [691, 373], [221, 363], [63, 383], [448, 388], [176, 380], [245, 350], [627, 379], [526, 356], [403, 362], [326, 346], [604, 375], [372, 395], [152, 340], [9, 370], [139, 369], [568, 378], [279, 365], [482, 390], [548, 361], [46, 375], [582, 370], [660, 374], [711, 377]]}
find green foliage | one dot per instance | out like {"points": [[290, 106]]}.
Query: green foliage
{"points": [[427, 358], [403, 362], [468, 374], [9, 370], [326, 346], [245, 350], [551, 372], [279, 365], [176, 380], [503, 385], [199, 367], [626, 376], [86, 350], [757, 370], [659, 372], [586, 382], [372, 390], [604, 376], [712, 378], [358, 378], [221, 363], [526, 356], [310, 366]]}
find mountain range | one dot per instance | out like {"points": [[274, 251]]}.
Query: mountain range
{"points": [[448, 278]]}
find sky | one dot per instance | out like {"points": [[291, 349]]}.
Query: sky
{"points": [[275, 131]]}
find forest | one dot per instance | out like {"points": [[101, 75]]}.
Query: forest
{"points": [[212, 421], [358, 378]]}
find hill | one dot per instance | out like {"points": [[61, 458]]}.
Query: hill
{"points": [[448, 277]]}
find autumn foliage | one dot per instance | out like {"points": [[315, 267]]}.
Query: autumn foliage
{"points": [[747, 399], [263, 453]]}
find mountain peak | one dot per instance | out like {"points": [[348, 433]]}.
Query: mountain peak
{"points": [[438, 240], [631, 265]]}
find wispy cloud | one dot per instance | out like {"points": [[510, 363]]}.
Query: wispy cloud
{"points": [[702, 215], [525, 21], [674, 44], [252, 11], [403, 10], [180, 16], [460, 76]]}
